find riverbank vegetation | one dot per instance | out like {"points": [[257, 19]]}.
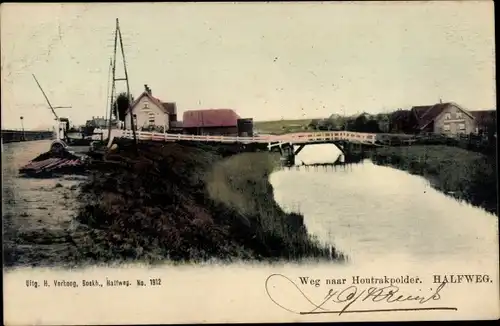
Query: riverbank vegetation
{"points": [[176, 202], [464, 174], [189, 203], [278, 127]]}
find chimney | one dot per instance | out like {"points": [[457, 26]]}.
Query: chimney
{"points": [[147, 89]]}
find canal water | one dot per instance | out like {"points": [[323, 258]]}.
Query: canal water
{"points": [[372, 212]]}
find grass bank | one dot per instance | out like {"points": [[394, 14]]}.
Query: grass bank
{"points": [[282, 126], [464, 174], [189, 203]]}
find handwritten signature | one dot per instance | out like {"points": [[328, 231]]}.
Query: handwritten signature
{"points": [[390, 294]]}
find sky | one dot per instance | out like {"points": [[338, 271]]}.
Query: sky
{"points": [[266, 61]]}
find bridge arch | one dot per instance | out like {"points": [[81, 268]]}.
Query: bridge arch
{"points": [[339, 144]]}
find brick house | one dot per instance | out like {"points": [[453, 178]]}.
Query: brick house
{"points": [[443, 118]]}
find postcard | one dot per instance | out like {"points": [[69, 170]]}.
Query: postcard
{"points": [[172, 163]]}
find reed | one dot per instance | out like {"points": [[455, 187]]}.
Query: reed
{"points": [[184, 203], [464, 174]]}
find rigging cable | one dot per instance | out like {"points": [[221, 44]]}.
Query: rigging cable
{"points": [[107, 92]]}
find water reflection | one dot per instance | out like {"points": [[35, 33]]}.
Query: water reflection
{"points": [[372, 212]]}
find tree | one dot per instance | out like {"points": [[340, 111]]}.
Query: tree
{"points": [[402, 121], [359, 123], [120, 106], [313, 124], [371, 126]]}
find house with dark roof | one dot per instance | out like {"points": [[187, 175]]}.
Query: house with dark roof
{"points": [[151, 113], [210, 122], [443, 118]]}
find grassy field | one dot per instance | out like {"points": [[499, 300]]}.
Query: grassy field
{"points": [[464, 174], [182, 203], [281, 126]]}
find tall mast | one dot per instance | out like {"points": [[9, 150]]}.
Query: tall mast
{"points": [[118, 34], [126, 80], [113, 69]]}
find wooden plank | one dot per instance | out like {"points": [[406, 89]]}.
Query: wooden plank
{"points": [[40, 164], [54, 163]]}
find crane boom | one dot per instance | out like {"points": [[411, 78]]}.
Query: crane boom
{"points": [[50, 105]]}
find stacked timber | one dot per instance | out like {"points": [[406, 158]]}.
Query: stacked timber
{"points": [[48, 163]]}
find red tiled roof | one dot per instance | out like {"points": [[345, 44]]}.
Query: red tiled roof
{"points": [[210, 118]]}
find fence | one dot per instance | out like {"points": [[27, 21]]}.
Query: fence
{"points": [[296, 138]]}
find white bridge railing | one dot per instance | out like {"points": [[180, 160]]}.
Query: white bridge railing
{"points": [[295, 138]]}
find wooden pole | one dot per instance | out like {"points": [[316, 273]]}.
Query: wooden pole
{"points": [[113, 85], [128, 86], [23, 137]]}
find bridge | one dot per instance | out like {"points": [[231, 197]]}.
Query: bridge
{"points": [[300, 138], [289, 145]]}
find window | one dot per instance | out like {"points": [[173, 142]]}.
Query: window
{"points": [[446, 127], [461, 126], [447, 116], [151, 118], [459, 115]]}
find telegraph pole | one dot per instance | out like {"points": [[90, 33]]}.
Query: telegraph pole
{"points": [[113, 69], [118, 35], [126, 79], [23, 137]]}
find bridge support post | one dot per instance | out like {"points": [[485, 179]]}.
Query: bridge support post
{"points": [[287, 154], [299, 149]]}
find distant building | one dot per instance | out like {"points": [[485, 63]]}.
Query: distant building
{"points": [[150, 113], [210, 122], [444, 118], [97, 122]]}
